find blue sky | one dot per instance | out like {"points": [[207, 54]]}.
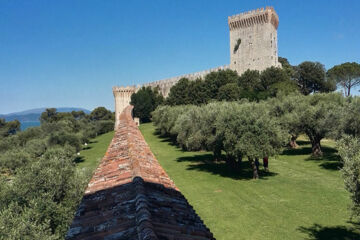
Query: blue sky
{"points": [[70, 53]]}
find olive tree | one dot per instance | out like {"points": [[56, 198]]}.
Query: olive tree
{"points": [[350, 121], [283, 109], [165, 118], [188, 129], [349, 150], [318, 116], [248, 131]]}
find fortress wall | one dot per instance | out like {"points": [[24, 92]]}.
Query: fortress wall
{"points": [[166, 84], [122, 94]]}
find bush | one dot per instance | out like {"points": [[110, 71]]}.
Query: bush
{"points": [[49, 189], [63, 138], [11, 160], [349, 150], [36, 147], [104, 126], [42, 187], [17, 222]]}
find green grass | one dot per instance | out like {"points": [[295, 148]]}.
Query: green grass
{"points": [[91, 155], [302, 198]]}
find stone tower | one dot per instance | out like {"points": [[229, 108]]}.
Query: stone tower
{"points": [[122, 97], [253, 40]]}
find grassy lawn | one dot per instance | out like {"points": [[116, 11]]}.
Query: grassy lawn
{"points": [[302, 198], [90, 156]]}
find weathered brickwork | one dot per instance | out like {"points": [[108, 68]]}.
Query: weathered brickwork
{"points": [[130, 196]]}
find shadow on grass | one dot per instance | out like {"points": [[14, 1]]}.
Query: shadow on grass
{"points": [[302, 142], [79, 159], [319, 232], [170, 139], [87, 148], [330, 159], [205, 163]]}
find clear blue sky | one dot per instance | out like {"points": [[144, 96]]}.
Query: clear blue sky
{"points": [[70, 53]]}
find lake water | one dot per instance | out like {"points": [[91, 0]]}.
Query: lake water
{"points": [[25, 125]]}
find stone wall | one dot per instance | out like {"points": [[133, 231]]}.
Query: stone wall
{"points": [[130, 196], [166, 84]]}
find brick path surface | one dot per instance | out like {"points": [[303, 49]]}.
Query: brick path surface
{"points": [[130, 196]]}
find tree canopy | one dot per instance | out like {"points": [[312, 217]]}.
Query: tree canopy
{"points": [[145, 101], [311, 77], [8, 128], [346, 75]]}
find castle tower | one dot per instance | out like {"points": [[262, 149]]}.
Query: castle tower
{"points": [[253, 40], [122, 97]]}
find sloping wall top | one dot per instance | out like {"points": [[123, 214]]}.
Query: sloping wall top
{"points": [[131, 197]]}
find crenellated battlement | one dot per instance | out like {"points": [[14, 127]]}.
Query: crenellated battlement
{"points": [[258, 16], [126, 89]]}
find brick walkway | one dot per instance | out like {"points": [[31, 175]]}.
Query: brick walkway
{"points": [[128, 156], [130, 196]]}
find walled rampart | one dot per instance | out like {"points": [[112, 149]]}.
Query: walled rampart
{"points": [[130, 196], [166, 84]]}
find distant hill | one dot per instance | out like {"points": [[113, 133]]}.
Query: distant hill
{"points": [[32, 116]]}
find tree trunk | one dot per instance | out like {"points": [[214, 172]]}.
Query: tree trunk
{"points": [[217, 155], [238, 163], [255, 172], [292, 142], [316, 148], [230, 161]]}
